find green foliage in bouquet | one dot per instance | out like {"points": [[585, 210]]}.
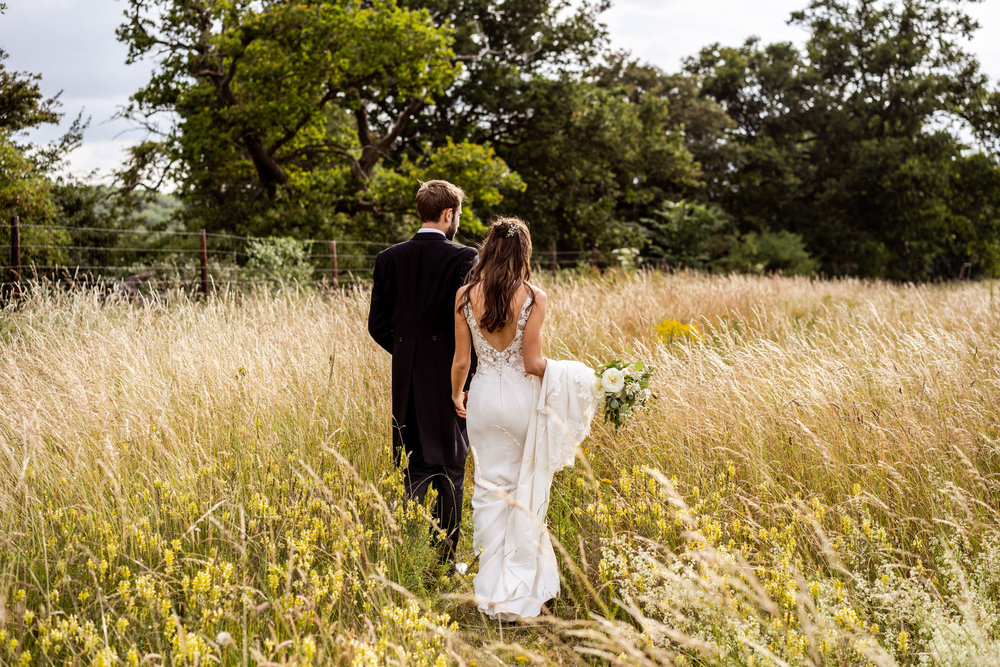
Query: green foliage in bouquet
{"points": [[625, 387]]}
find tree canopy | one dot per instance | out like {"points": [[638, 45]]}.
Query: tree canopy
{"points": [[316, 118], [23, 187], [285, 112], [871, 149], [860, 141]]}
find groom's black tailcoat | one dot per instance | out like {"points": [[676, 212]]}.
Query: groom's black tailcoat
{"points": [[412, 316]]}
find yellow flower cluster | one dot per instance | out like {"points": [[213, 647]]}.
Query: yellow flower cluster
{"points": [[265, 556], [406, 634], [670, 330], [682, 558]]}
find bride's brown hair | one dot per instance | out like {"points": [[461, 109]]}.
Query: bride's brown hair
{"points": [[504, 263]]}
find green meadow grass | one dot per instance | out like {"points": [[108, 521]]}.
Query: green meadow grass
{"points": [[816, 481]]}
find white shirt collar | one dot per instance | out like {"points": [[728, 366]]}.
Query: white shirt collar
{"points": [[424, 230]]}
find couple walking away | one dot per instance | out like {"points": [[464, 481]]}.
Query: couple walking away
{"points": [[434, 303]]}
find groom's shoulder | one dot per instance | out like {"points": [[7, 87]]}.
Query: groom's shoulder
{"points": [[463, 249], [447, 247], [395, 248]]}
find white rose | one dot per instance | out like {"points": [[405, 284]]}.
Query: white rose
{"points": [[598, 387], [613, 380]]}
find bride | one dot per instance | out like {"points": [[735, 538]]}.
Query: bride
{"points": [[525, 415]]}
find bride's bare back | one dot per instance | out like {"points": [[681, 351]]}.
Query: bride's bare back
{"points": [[501, 338]]}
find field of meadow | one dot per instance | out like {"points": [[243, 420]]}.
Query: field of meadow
{"points": [[816, 481]]}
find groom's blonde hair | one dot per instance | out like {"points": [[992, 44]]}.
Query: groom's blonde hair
{"points": [[436, 197]]}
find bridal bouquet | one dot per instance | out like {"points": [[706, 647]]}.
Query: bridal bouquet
{"points": [[624, 388]]}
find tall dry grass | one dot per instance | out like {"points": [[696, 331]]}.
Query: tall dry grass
{"points": [[816, 482]]}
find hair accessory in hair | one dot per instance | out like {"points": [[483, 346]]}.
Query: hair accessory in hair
{"points": [[511, 229]]}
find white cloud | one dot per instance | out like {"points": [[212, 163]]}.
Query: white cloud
{"points": [[985, 43], [72, 45], [664, 32], [96, 160]]}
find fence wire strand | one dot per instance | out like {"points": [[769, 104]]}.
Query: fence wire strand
{"points": [[174, 265]]}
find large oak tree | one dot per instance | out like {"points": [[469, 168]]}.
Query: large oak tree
{"points": [[278, 116]]}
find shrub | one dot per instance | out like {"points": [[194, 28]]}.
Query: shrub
{"points": [[626, 258], [279, 259], [685, 234], [767, 252]]}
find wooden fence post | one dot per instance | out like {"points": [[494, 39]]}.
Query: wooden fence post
{"points": [[555, 263], [333, 265], [15, 258], [203, 242], [593, 258]]}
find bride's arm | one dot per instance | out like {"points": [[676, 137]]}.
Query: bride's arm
{"points": [[534, 362], [463, 356]]}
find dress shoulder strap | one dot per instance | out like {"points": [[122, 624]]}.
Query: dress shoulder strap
{"points": [[525, 310], [469, 316]]}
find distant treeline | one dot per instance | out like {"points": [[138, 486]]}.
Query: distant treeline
{"points": [[871, 150]]}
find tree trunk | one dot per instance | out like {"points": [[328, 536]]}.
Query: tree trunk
{"points": [[372, 150], [269, 171]]}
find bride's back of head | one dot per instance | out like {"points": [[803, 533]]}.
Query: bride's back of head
{"points": [[504, 265]]}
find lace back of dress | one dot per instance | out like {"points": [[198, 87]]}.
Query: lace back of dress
{"points": [[494, 363]]}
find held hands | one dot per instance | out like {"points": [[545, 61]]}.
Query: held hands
{"points": [[460, 401]]}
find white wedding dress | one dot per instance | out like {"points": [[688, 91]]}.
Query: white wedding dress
{"points": [[521, 430]]}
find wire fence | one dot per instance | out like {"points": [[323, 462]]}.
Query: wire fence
{"points": [[136, 260]]}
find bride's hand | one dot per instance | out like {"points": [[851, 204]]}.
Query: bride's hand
{"points": [[459, 402]]}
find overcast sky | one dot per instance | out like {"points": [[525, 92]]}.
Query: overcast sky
{"points": [[72, 44]]}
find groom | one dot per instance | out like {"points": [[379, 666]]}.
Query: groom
{"points": [[412, 316]]}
